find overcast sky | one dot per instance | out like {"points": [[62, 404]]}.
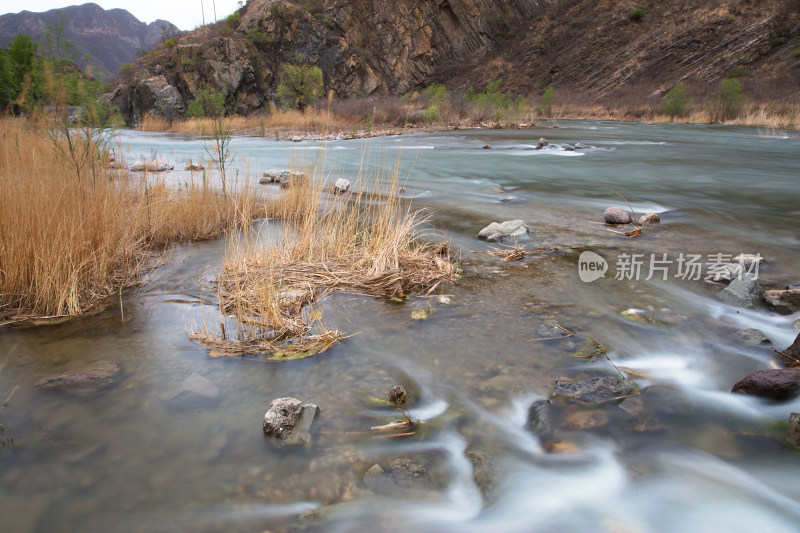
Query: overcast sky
{"points": [[185, 14]]}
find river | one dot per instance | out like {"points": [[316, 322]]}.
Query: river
{"points": [[691, 457]]}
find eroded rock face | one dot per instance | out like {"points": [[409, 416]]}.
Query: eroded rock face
{"points": [[362, 47]]}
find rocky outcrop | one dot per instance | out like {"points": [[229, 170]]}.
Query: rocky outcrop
{"points": [[363, 47], [366, 47]]}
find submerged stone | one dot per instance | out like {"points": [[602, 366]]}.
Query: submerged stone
{"points": [[484, 472], [593, 389], [85, 382], [196, 392], [539, 418], [793, 432], [752, 336], [399, 476]]}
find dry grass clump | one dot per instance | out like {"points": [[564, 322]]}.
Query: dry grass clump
{"points": [[72, 236], [365, 243], [277, 120]]}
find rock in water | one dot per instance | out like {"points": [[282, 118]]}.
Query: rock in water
{"points": [[151, 166], [649, 218], [539, 418], [541, 144], [593, 389], [87, 381], [398, 395], [742, 292], [779, 384], [793, 433], [497, 231], [616, 215], [784, 302], [289, 420], [196, 392], [792, 353], [341, 186], [194, 167], [400, 476], [752, 336]]}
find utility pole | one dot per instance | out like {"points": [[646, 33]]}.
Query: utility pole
{"points": [[203, 12], [215, 9]]}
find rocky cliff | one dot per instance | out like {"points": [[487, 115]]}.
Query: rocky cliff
{"points": [[364, 47], [110, 38]]}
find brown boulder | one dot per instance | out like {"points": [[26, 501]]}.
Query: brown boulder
{"points": [[617, 215], [774, 384]]}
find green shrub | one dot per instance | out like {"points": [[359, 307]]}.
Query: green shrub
{"points": [[125, 67], [187, 64], [258, 37], [437, 93], [675, 102], [547, 101], [169, 43], [431, 113], [206, 104], [727, 102], [492, 101], [300, 85], [738, 72], [232, 21], [637, 14], [795, 52]]}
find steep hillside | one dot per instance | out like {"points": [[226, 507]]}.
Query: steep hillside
{"points": [[110, 38], [595, 48]]}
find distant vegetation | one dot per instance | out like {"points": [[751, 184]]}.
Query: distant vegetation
{"points": [[675, 102], [32, 79]]}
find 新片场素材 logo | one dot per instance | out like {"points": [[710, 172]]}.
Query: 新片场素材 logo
{"points": [[591, 266]]}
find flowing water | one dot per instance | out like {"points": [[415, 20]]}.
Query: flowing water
{"points": [[684, 455]]}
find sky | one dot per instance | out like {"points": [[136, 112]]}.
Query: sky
{"points": [[185, 14]]}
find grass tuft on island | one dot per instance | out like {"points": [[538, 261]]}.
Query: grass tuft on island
{"points": [[368, 243], [73, 232]]}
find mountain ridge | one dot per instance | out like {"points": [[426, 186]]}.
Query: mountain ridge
{"points": [[110, 37]]}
